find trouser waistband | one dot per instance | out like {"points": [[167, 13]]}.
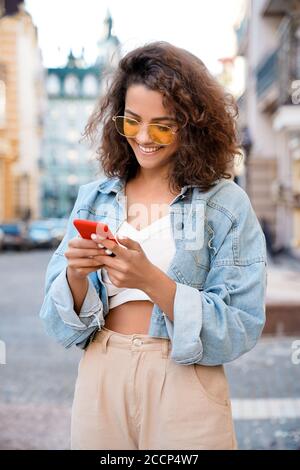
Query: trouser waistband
{"points": [[135, 342]]}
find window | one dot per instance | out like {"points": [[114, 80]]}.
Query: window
{"points": [[72, 87], [72, 110], [72, 155], [90, 85], [73, 136], [53, 84], [72, 180], [2, 103]]}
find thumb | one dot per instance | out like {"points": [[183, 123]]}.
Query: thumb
{"points": [[129, 243]]}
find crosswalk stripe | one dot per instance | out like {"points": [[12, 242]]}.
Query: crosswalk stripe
{"points": [[265, 408]]}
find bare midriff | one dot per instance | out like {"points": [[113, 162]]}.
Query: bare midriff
{"points": [[130, 317], [134, 316]]}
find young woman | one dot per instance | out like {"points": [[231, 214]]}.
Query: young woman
{"points": [[184, 292]]}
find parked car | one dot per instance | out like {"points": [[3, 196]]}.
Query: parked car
{"points": [[59, 228], [15, 235], [40, 234], [47, 233], [1, 239]]}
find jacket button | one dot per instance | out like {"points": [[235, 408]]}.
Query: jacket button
{"points": [[179, 225]]}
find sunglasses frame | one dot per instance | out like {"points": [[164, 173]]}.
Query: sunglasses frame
{"points": [[114, 118]]}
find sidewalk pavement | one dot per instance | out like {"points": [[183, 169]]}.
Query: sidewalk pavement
{"points": [[283, 287], [265, 391], [283, 297], [37, 383]]}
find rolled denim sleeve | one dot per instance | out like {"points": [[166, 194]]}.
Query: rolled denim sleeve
{"points": [[222, 322], [185, 330], [91, 312], [233, 305], [57, 312], [225, 319]]}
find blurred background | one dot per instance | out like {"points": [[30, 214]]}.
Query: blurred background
{"points": [[56, 58]]}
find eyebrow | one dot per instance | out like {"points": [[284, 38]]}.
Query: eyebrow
{"points": [[162, 118]]}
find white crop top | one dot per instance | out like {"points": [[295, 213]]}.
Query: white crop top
{"points": [[157, 242]]}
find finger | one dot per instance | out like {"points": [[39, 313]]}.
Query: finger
{"points": [[113, 263], [85, 263], [129, 243], [114, 248], [84, 252], [88, 270], [82, 243], [113, 274]]}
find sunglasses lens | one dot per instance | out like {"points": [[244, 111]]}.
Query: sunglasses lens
{"points": [[126, 126], [160, 134]]}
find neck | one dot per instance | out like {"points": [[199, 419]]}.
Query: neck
{"points": [[152, 180]]}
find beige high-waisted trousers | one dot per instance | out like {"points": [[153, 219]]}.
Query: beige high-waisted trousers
{"points": [[129, 394]]}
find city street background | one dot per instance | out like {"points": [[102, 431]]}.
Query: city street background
{"points": [[56, 60], [37, 383]]}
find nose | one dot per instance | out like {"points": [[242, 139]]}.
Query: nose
{"points": [[143, 136]]}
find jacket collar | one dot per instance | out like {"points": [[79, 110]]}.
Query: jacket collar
{"points": [[111, 185], [115, 184]]}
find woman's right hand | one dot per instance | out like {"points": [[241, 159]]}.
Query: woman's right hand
{"points": [[80, 255]]}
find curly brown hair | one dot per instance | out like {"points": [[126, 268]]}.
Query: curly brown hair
{"points": [[205, 112]]}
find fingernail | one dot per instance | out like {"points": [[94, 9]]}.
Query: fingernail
{"points": [[93, 236], [108, 252], [100, 245]]}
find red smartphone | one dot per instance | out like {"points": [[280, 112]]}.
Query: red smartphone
{"points": [[87, 227]]}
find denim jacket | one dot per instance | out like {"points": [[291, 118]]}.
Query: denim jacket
{"points": [[219, 267]]}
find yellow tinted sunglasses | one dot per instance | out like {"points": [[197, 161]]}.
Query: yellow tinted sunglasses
{"points": [[159, 133]]}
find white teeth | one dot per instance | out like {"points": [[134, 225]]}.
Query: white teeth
{"points": [[148, 149]]}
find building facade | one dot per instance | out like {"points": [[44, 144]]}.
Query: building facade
{"points": [[67, 162], [21, 108], [268, 37]]}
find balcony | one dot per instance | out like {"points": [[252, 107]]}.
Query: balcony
{"points": [[267, 73], [285, 194], [277, 72], [241, 33], [241, 103], [277, 7]]}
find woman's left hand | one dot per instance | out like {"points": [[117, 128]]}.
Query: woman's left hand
{"points": [[130, 267]]}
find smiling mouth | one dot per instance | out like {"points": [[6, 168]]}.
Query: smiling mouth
{"points": [[149, 150]]}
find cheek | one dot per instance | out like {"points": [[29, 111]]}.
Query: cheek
{"points": [[173, 148]]}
